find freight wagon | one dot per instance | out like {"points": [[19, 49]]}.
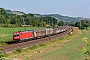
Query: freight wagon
{"points": [[56, 30], [39, 33], [49, 31]]}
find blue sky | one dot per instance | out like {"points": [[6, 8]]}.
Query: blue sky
{"points": [[73, 8]]}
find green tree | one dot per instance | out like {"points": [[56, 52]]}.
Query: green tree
{"points": [[49, 20], [2, 19], [13, 20], [86, 25], [61, 23], [3, 12], [3, 16], [77, 24], [82, 27]]}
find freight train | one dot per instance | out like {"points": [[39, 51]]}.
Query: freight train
{"points": [[21, 36]]}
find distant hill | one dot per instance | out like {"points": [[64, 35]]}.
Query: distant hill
{"points": [[57, 16], [60, 17]]}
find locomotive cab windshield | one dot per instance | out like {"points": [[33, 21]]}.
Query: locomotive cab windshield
{"points": [[16, 35]]}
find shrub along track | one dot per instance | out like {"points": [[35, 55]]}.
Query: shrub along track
{"points": [[11, 47]]}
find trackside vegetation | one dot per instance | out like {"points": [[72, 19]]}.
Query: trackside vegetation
{"points": [[86, 49]]}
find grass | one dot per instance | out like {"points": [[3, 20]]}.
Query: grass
{"points": [[70, 52], [6, 33]]}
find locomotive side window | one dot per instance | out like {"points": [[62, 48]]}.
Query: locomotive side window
{"points": [[15, 35]]}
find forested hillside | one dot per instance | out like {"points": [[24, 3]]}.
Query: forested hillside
{"points": [[60, 17], [63, 18], [17, 20]]}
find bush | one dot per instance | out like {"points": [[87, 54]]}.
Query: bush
{"points": [[82, 27], [42, 45], [17, 51], [49, 26], [86, 49], [32, 47], [2, 54], [61, 38]]}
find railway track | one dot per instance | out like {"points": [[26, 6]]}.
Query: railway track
{"points": [[11, 47]]}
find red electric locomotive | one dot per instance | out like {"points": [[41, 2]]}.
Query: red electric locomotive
{"points": [[23, 36]]}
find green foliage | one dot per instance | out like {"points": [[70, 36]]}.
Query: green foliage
{"points": [[61, 38], [32, 47], [3, 12], [49, 20], [42, 45], [86, 25], [77, 24], [83, 24], [61, 23], [49, 26], [17, 51], [2, 54]]}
